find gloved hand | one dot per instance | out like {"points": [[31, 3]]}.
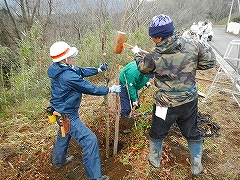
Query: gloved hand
{"points": [[103, 67], [148, 84], [135, 49], [115, 89], [136, 104]]}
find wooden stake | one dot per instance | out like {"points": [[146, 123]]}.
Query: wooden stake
{"points": [[115, 146]]}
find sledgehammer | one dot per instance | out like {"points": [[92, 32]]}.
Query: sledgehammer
{"points": [[119, 43]]}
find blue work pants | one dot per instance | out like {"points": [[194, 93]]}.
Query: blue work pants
{"points": [[125, 100], [86, 139]]}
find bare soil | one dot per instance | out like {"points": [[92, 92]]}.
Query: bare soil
{"points": [[25, 152]]}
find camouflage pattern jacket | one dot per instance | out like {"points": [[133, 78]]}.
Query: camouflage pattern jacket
{"points": [[174, 62]]}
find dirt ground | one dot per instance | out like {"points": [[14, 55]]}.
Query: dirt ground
{"points": [[221, 153]]}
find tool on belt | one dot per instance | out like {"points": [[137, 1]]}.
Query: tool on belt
{"points": [[64, 120], [64, 124], [52, 117]]}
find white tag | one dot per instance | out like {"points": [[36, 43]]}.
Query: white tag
{"points": [[161, 112]]}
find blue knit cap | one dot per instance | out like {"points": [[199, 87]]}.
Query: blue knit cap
{"points": [[161, 26]]}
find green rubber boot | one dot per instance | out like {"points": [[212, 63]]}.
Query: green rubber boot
{"points": [[155, 155], [195, 148]]}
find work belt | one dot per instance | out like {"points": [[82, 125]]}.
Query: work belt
{"points": [[63, 118], [188, 90]]}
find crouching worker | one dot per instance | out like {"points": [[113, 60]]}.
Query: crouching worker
{"points": [[174, 62], [131, 81], [67, 87]]}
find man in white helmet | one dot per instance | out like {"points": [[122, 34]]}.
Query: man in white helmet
{"points": [[192, 33], [67, 87], [205, 31]]}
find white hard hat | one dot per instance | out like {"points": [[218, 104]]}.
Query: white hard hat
{"points": [[61, 50], [194, 28]]}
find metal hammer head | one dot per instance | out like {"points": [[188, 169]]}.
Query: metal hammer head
{"points": [[119, 41]]}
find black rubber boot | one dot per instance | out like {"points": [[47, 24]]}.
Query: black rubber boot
{"points": [[126, 124]]}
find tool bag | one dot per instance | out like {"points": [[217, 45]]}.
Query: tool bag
{"points": [[65, 122], [208, 128]]}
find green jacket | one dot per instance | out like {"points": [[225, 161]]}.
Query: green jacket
{"points": [[174, 62], [135, 80]]}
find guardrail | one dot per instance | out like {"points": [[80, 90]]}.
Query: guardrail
{"points": [[229, 68]]}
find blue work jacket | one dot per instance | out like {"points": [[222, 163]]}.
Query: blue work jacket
{"points": [[68, 85]]}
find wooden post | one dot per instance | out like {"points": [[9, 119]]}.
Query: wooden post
{"points": [[115, 146]]}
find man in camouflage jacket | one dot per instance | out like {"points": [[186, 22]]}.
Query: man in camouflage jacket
{"points": [[174, 62]]}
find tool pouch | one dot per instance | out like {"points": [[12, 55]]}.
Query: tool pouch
{"points": [[52, 118], [66, 123]]}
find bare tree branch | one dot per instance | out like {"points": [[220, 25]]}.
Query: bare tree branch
{"points": [[13, 20]]}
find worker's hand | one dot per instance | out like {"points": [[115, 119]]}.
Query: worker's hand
{"points": [[115, 89], [148, 84], [136, 104], [103, 67], [135, 49]]}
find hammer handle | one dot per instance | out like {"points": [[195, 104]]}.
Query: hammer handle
{"points": [[125, 45], [61, 121], [62, 128]]}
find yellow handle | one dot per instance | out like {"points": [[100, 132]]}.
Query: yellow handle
{"points": [[52, 118], [61, 125]]}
